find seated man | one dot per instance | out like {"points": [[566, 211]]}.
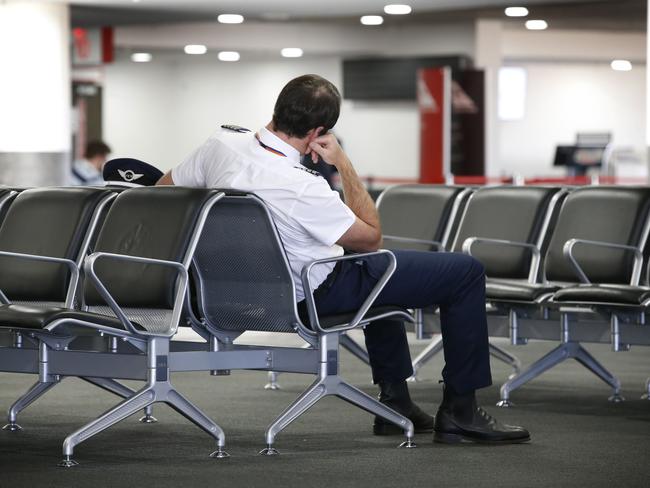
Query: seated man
{"points": [[88, 171], [314, 223]]}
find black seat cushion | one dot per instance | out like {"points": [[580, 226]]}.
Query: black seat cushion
{"points": [[615, 294], [517, 291], [37, 318], [328, 321]]}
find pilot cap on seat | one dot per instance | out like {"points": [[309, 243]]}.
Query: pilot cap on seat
{"points": [[130, 172]]}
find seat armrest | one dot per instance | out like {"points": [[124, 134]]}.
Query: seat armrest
{"points": [[368, 302], [567, 250], [89, 268], [410, 240], [536, 253], [72, 267]]}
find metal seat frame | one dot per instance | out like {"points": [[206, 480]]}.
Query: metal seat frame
{"points": [[578, 322], [25, 339], [139, 355], [321, 357], [436, 344]]}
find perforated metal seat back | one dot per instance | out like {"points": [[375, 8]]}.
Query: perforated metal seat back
{"points": [[150, 222], [509, 213], [242, 279], [47, 222], [610, 214], [416, 212]]}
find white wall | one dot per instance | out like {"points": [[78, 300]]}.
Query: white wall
{"points": [[563, 99], [160, 111], [571, 88], [572, 45]]}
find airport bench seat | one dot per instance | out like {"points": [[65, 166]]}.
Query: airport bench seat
{"points": [[263, 299], [138, 273], [34, 317], [604, 294], [596, 252], [375, 313], [499, 290], [421, 218]]}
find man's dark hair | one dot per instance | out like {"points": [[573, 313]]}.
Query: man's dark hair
{"points": [[305, 103], [96, 148]]}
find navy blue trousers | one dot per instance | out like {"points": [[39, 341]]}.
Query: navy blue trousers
{"points": [[454, 282]]}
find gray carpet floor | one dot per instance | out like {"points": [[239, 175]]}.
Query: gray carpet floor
{"points": [[578, 438]]}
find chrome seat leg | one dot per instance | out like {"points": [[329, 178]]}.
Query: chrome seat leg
{"points": [[506, 357], [148, 417], [354, 348], [591, 363], [562, 352], [152, 393], [37, 390], [304, 402], [120, 390], [273, 381], [192, 413], [546, 362], [362, 400], [433, 348], [125, 409], [646, 395]]}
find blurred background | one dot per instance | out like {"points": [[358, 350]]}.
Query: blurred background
{"points": [[465, 91]]}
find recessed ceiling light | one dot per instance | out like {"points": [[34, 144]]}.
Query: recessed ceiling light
{"points": [[195, 49], [621, 65], [291, 52], [536, 25], [397, 9], [141, 57], [372, 20], [516, 11], [230, 19], [228, 56]]}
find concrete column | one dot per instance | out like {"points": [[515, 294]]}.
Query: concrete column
{"points": [[34, 93], [489, 58]]}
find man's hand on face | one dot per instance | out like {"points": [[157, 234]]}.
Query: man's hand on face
{"points": [[328, 148]]}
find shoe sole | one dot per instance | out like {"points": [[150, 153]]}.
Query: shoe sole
{"points": [[390, 429], [445, 438]]}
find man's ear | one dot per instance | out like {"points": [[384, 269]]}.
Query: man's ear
{"points": [[314, 133]]}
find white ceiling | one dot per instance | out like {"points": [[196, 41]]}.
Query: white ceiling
{"points": [[302, 8]]}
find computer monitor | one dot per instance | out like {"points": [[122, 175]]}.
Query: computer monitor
{"points": [[564, 156], [579, 156]]}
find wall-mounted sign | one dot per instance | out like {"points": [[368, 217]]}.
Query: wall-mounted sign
{"points": [[434, 102], [92, 47]]}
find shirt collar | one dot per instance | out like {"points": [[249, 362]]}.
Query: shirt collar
{"points": [[273, 141]]}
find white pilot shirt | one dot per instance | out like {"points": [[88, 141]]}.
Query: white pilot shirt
{"points": [[310, 217], [85, 173]]}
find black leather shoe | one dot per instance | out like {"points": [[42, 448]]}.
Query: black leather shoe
{"points": [[483, 428], [396, 396], [460, 420]]}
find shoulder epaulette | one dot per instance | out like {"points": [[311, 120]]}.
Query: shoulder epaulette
{"points": [[235, 128], [312, 172]]}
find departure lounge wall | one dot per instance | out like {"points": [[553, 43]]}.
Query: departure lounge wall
{"points": [[162, 110]]}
